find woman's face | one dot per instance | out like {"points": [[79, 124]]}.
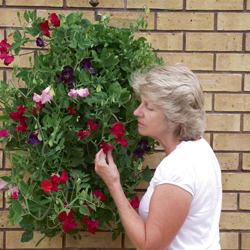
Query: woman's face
{"points": [[151, 120]]}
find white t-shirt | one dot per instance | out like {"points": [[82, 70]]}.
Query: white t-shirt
{"points": [[192, 166]]}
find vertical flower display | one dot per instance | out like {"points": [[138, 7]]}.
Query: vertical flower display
{"points": [[77, 99]]}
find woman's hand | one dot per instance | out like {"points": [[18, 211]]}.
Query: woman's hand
{"points": [[107, 171]]}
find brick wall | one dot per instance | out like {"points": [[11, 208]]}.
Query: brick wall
{"points": [[210, 37]]}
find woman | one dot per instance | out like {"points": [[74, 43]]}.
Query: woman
{"points": [[181, 208]]}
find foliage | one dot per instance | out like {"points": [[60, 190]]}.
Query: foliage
{"points": [[75, 92]]}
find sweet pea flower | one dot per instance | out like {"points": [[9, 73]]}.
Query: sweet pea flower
{"points": [[98, 194], [54, 20], [71, 110], [40, 42], [117, 129], [46, 186], [12, 192], [63, 178], [73, 93], [135, 202], [81, 92], [4, 133], [4, 51], [2, 184], [83, 134], [45, 28], [86, 64], [91, 225], [33, 140], [68, 225], [46, 96], [105, 147], [92, 126]]}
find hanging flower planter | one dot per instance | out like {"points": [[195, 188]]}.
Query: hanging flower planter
{"points": [[76, 99]]}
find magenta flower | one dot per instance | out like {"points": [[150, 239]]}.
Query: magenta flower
{"points": [[46, 186], [83, 134], [135, 202], [98, 194], [63, 178], [54, 19], [4, 133], [91, 225], [105, 147]]}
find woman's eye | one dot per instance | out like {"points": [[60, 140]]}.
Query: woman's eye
{"points": [[149, 108]]}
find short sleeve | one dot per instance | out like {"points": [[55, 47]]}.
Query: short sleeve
{"points": [[177, 173]]}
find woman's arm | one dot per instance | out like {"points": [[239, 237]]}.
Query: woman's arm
{"points": [[169, 207]]}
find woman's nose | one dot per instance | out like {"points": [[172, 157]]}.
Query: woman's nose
{"points": [[137, 112]]}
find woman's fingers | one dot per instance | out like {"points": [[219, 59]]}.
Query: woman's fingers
{"points": [[110, 157]]}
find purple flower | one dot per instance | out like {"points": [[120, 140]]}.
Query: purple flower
{"points": [[67, 71], [144, 144], [66, 76], [86, 64], [139, 152], [40, 42], [33, 140]]}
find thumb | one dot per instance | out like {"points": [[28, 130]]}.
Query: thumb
{"points": [[110, 157]]}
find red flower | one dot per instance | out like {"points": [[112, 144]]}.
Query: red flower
{"points": [[92, 126], [91, 225], [22, 127], [55, 179], [98, 194], [8, 59], [54, 19], [63, 178], [46, 185], [122, 141], [14, 196], [4, 52], [63, 215], [117, 129], [83, 134], [71, 109], [40, 105], [106, 147], [135, 202], [45, 28], [4, 133], [68, 225]]}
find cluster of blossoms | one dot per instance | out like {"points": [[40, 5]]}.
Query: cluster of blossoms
{"points": [[12, 191], [75, 99]]}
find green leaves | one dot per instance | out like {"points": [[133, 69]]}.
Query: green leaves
{"points": [[17, 207]]}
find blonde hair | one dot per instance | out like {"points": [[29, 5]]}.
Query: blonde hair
{"points": [[177, 91]]}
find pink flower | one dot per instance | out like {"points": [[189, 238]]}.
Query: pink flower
{"points": [[36, 97], [13, 192], [135, 202], [2, 184], [46, 96], [98, 194], [83, 134], [4, 133], [83, 92], [105, 147], [73, 93], [54, 19], [46, 186], [8, 59], [63, 178]]}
